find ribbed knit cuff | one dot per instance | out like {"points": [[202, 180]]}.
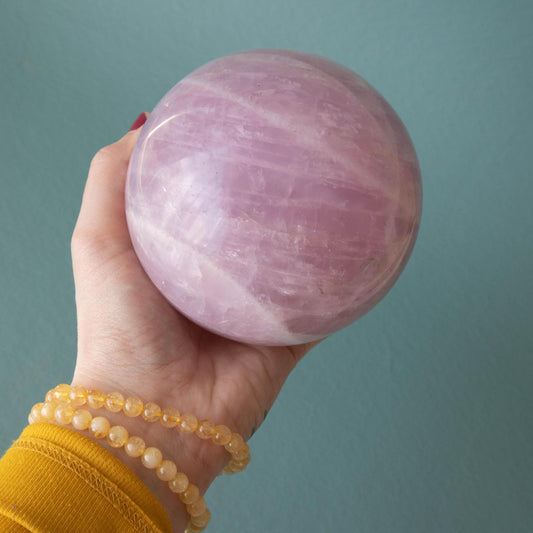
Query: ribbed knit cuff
{"points": [[55, 480]]}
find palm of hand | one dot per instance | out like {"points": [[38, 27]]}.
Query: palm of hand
{"points": [[140, 341], [130, 337]]}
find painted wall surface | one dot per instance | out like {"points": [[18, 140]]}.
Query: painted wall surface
{"points": [[415, 419]]}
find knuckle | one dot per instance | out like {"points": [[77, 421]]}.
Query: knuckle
{"points": [[87, 243], [102, 157]]}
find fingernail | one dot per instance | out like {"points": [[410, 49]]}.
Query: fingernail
{"points": [[139, 121]]}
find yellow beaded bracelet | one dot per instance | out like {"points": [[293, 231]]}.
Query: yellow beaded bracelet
{"points": [[151, 412], [117, 436]]}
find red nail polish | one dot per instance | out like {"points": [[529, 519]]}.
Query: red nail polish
{"points": [[139, 121]]}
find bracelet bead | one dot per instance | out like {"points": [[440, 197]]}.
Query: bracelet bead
{"points": [[117, 436], [167, 470], [222, 435], [47, 411], [201, 520], [188, 423], [99, 427], [242, 453], [151, 412], [179, 483], [197, 507], [191, 528], [114, 402], [235, 443], [133, 407], [63, 413], [152, 458], [236, 466], [135, 446], [82, 419], [61, 392], [96, 398], [206, 429], [78, 396], [190, 494], [35, 414], [170, 417]]}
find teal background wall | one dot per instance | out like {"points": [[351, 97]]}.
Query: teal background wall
{"points": [[417, 418]]}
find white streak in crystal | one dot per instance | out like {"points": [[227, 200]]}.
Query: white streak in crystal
{"points": [[310, 142], [195, 272]]}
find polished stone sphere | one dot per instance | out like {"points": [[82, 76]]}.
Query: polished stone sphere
{"points": [[273, 197]]}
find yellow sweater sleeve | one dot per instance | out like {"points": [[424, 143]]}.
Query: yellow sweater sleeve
{"points": [[54, 480]]}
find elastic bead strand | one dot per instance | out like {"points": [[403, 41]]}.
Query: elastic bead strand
{"points": [[118, 437], [151, 412], [60, 406]]}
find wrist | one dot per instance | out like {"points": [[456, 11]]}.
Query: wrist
{"points": [[199, 460], [174, 508]]}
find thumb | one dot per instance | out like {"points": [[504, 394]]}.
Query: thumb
{"points": [[101, 226]]}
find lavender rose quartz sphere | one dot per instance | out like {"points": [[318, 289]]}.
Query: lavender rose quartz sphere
{"points": [[273, 197]]}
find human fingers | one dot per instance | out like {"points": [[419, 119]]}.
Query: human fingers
{"points": [[101, 226]]}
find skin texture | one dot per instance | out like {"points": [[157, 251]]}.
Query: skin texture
{"points": [[130, 339]]}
